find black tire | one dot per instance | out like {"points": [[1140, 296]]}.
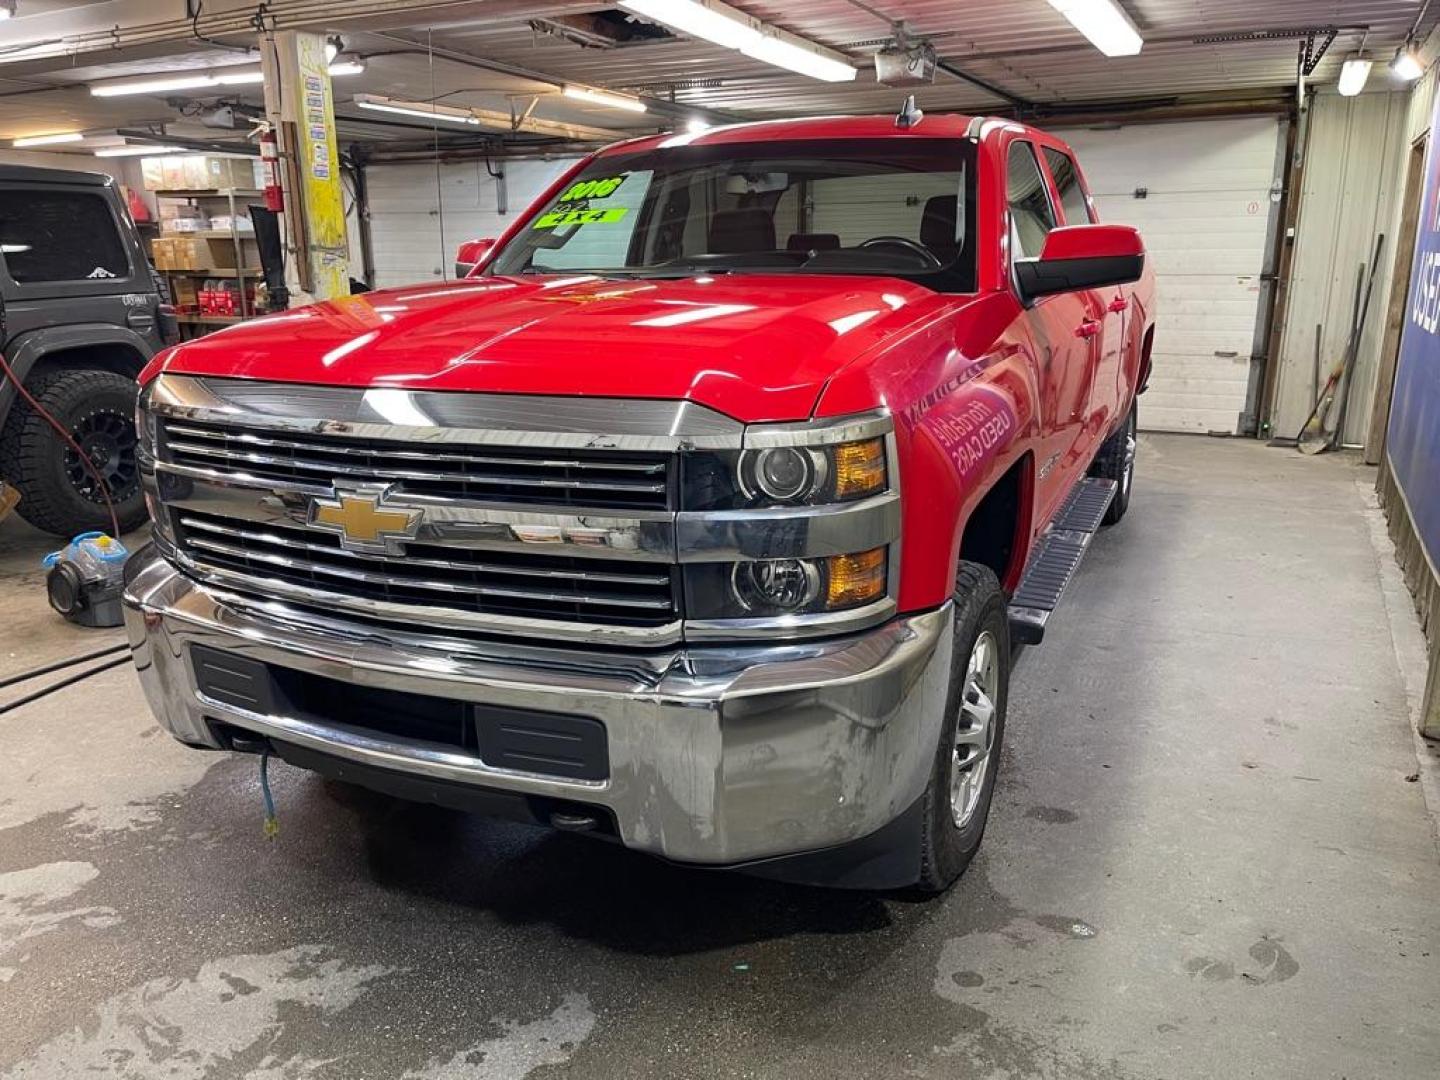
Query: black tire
{"points": [[947, 847], [1116, 461], [57, 494]]}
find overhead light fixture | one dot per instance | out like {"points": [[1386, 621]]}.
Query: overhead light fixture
{"points": [[1104, 23], [422, 109], [606, 98], [243, 77], [49, 140], [1353, 74], [235, 75], [695, 125], [1406, 64], [7, 9], [152, 85], [137, 151], [719, 23], [334, 46]]}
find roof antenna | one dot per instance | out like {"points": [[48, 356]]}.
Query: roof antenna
{"points": [[910, 114]]}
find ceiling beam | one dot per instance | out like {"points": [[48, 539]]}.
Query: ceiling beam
{"points": [[660, 106], [117, 30]]}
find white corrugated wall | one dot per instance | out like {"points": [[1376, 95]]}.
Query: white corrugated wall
{"points": [[1208, 197], [1350, 179], [419, 215]]}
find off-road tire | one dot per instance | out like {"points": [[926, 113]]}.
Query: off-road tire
{"points": [[945, 849], [1116, 461], [32, 455]]}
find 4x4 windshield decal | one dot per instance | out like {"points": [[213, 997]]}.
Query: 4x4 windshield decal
{"points": [[573, 206], [562, 216]]}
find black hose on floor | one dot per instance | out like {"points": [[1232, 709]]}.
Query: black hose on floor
{"points": [[68, 681], [26, 676]]}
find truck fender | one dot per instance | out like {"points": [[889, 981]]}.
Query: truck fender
{"points": [[27, 349]]}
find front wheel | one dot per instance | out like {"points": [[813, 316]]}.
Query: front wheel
{"points": [[967, 761]]}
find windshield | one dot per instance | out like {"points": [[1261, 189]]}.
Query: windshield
{"points": [[900, 207]]}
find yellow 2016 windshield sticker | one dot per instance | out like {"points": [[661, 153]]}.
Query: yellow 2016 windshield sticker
{"points": [[561, 217], [599, 188]]}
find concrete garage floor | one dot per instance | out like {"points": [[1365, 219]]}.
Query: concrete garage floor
{"points": [[1205, 860]]}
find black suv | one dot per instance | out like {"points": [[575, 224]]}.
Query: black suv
{"points": [[81, 311]]}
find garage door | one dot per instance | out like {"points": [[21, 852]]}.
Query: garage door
{"points": [[1201, 192], [415, 242]]}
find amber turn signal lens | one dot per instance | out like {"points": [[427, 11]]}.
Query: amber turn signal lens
{"points": [[859, 468], [855, 579]]}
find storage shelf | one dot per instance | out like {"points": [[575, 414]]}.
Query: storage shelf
{"points": [[208, 193], [209, 234], [249, 271]]}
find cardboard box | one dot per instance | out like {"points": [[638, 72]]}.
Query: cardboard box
{"points": [[185, 293], [185, 224], [172, 172], [152, 173]]}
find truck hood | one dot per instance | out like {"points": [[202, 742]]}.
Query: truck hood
{"points": [[757, 347]]}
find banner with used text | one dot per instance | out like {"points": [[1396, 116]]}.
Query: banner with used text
{"points": [[1412, 441]]}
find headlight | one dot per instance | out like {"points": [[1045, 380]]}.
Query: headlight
{"points": [[767, 588], [785, 476], [144, 421]]}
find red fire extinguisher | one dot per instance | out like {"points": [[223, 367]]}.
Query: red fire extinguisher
{"points": [[270, 157]]}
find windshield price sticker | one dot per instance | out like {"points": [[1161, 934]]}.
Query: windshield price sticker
{"points": [[601, 188], [561, 217]]}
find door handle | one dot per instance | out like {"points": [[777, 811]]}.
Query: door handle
{"points": [[1088, 328], [1120, 303]]}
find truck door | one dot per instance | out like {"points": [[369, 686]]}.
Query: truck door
{"points": [[1065, 330], [1110, 306]]}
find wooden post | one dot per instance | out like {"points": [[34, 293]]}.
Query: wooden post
{"points": [[1399, 303]]}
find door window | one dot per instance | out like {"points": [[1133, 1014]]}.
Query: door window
{"points": [[1031, 215], [60, 236], [1067, 183]]}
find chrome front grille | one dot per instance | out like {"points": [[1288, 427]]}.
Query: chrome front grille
{"points": [[429, 579], [610, 480]]}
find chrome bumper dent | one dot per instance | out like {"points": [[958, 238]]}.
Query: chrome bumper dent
{"points": [[717, 754]]}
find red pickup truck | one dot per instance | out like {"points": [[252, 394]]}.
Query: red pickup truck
{"points": [[701, 516]]}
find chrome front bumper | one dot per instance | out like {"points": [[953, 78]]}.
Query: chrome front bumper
{"points": [[718, 755]]}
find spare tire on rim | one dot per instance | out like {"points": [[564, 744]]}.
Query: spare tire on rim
{"points": [[57, 493]]}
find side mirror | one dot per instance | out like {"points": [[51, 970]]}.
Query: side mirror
{"points": [[471, 254], [1082, 257]]}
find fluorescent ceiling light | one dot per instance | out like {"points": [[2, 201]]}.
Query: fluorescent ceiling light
{"points": [[1353, 74], [137, 151], [48, 140], [243, 77], [716, 22], [787, 54], [7, 9], [236, 75], [416, 108], [604, 97], [1104, 23], [1406, 64], [152, 85]]}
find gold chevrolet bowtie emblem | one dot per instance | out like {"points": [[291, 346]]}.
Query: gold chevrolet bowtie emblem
{"points": [[362, 521]]}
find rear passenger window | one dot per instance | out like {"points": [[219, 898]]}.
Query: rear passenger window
{"points": [[1067, 182], [1031, 216], [60, 236]]}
